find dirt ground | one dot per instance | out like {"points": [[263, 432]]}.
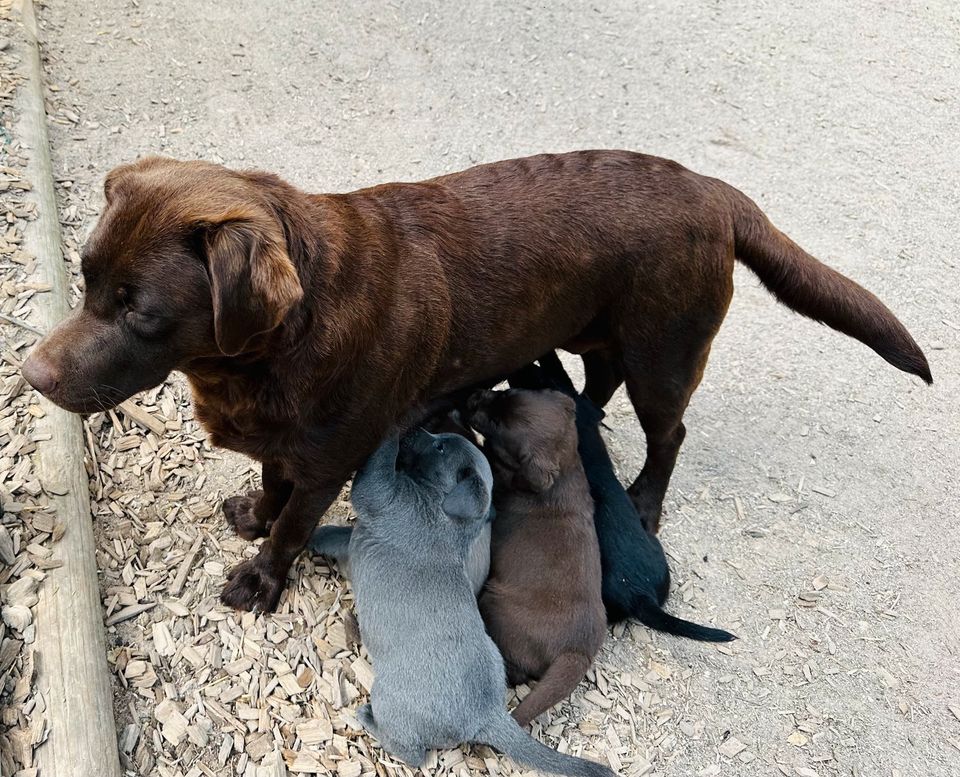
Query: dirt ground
{"points": [[814, 506]]}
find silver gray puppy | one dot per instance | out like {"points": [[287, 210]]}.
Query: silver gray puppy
{"points": [[440, 680]]}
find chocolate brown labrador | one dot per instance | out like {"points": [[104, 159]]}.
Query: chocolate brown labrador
{"points": [[542, 603], [308, 324]]}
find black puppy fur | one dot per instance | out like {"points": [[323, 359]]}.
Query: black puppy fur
{"points": [[636, 578]]}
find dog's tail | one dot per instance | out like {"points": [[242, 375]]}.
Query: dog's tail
{"points": [[648, 612], [506, 736], [812, 289], [556, 684]]}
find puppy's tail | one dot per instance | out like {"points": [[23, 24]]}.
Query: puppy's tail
{"points": [[649, 613], [556, 684], [812, 289], [506, 736]]}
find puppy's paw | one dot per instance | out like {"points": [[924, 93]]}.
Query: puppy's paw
{"points": [[351, 627], [365, 716], [251, 586], [240, 512]]}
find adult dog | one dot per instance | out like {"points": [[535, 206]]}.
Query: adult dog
{"points": [[308, 324]]}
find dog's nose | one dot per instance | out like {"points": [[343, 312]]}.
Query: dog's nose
{"points": [[40, 374]]}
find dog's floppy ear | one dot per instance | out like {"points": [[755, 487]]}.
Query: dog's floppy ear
{"points": [[540, 465], [537, 471], [254, 282], [469, 500]]}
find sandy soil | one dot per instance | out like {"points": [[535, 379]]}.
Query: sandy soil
{"points": [[814, 506]]}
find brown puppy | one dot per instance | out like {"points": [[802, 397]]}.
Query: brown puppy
{"points": [[542, 603], [309, 324]]}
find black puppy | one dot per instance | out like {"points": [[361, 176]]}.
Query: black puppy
{"points": [[636, 578]]}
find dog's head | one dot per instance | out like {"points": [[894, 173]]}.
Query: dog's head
{"points": [[529, 435], [453, 469], [187, 261]]}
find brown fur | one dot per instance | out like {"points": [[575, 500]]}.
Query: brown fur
{"points": [[309, 324], [542, 603]]}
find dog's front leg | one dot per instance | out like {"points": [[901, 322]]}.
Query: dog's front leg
{"points": [[252, 515], [256, 584]]}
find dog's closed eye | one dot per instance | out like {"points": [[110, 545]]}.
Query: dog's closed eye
{"points": [[463, 473]]}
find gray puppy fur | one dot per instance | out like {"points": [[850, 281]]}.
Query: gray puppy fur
{"points": [[334, 542], [440, 679]]}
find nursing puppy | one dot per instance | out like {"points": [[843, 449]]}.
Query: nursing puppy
{"points": [[439, 677], [636, 577], [542, 603], [334, 541]]}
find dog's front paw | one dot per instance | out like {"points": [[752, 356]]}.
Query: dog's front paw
{"points": [[240, 512], [252, 586]]}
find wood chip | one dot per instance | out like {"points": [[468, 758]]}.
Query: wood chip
{"points": [[174, 724], [259, 745], [731, 747], [315, 731], [140, 416], [129, 612], [306, 763], [595, 697], [176, 587], [349, 769], [364, 674]]}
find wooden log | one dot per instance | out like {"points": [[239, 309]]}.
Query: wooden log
{"points": [[71, 652]]}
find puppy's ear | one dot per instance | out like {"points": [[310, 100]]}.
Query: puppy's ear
{"points": [[540, 464], [537, 471], [254, 282], [564, 401], [469, 500]]}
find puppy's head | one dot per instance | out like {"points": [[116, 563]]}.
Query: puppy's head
{"points": [[187, 261], [454, 469], [529, 435]]}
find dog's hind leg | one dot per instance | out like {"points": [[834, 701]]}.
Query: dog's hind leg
{"points": [[663, 367], [604, 375], [332, 541], [411, 755], [556, 684]]}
